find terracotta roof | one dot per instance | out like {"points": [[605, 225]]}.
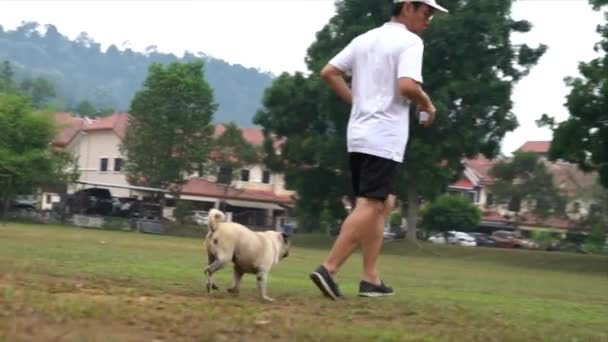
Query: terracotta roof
{"points": [[203, 187], [69, 126], [118, 122], [481, 166], [535, 146], [529, 219], [253, 135], [493, 216], [570, 180], [463, 183], [477, 172]]}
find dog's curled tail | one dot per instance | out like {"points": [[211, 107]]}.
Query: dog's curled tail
{"points": [[214, 218]]}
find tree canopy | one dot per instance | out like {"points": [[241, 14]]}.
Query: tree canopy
{"points": [[525, 180], [170, 128], [451, 212], [583, 137], [470, 67], [27, 160]]}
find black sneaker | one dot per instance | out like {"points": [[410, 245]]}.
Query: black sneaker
{"points": [[367, 289], [325, 283]]}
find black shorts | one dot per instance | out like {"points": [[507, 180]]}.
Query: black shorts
{"points": [[373, 177]]}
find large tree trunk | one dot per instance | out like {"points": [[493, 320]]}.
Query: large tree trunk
{"points": [[412, 212]]}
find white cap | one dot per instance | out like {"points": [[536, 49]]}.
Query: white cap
{"points": [[431, 3]]}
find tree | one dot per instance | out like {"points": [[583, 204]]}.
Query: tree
{"points": [[230, 154], [451, 212], [169, 132], [583, 137], [26, 156], [6, 76], [85, 108], [470, 82], [39, 90], [525, 181]]}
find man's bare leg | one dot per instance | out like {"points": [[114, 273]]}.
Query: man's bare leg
{"points": [[364, 217], [372, 240]]}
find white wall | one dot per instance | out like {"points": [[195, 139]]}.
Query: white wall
{"points": [[89, 148]]}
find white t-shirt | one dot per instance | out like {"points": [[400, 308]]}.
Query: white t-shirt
{"points": [[379, 118]]}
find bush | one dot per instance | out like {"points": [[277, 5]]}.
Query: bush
{"points": [[597, 236], [576, 237], [451, 212]]}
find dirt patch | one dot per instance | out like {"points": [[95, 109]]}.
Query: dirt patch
{"points": [[52, 308]]}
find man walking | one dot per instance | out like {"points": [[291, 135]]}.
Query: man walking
{"points": [[386, 68]]}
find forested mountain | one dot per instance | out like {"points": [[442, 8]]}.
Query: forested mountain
{"points": [[81, 71]]}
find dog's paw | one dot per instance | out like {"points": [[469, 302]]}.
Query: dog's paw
{"points": [[211, 286], [267, 299]]}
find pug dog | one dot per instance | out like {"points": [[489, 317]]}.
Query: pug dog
{"points": [[249, 251]]}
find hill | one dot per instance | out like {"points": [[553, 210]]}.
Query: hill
{"points": [[81, 71]]}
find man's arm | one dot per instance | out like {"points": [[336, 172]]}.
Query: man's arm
{"points": [[335, 78], [413, 91]]}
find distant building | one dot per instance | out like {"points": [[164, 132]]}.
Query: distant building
{"points": [[95, 143], [568, 178]]}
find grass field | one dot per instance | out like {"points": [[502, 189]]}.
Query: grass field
{"points": [[72, 284]]}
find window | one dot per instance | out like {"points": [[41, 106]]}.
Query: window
{"points": [[103, 164], [470, 195], [49, 200], [245, 175], [266, 177], [489, 199], [118, 164]]}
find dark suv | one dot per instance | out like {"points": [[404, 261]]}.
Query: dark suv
{"points": [[93, 201]]}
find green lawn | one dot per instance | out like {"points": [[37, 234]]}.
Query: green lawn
{"points": [[72, 284]]}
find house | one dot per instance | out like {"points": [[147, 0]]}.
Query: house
{"points": [[95, 143], [474, 184], [568, 178], [475, 180], [539, 147]]}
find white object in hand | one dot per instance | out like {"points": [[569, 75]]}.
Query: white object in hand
{"points": [[424, 117]]}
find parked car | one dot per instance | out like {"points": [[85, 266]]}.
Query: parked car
{"points": [[389, 235], [92, 201], [200, 217], [507, 239], [565, 246], [483, 240], [454, 238]]}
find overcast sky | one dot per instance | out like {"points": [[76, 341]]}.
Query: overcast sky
{"points": [[273, 35]]}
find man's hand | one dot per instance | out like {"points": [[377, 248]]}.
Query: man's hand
{"points": [[411, 89], [430, 112]]}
